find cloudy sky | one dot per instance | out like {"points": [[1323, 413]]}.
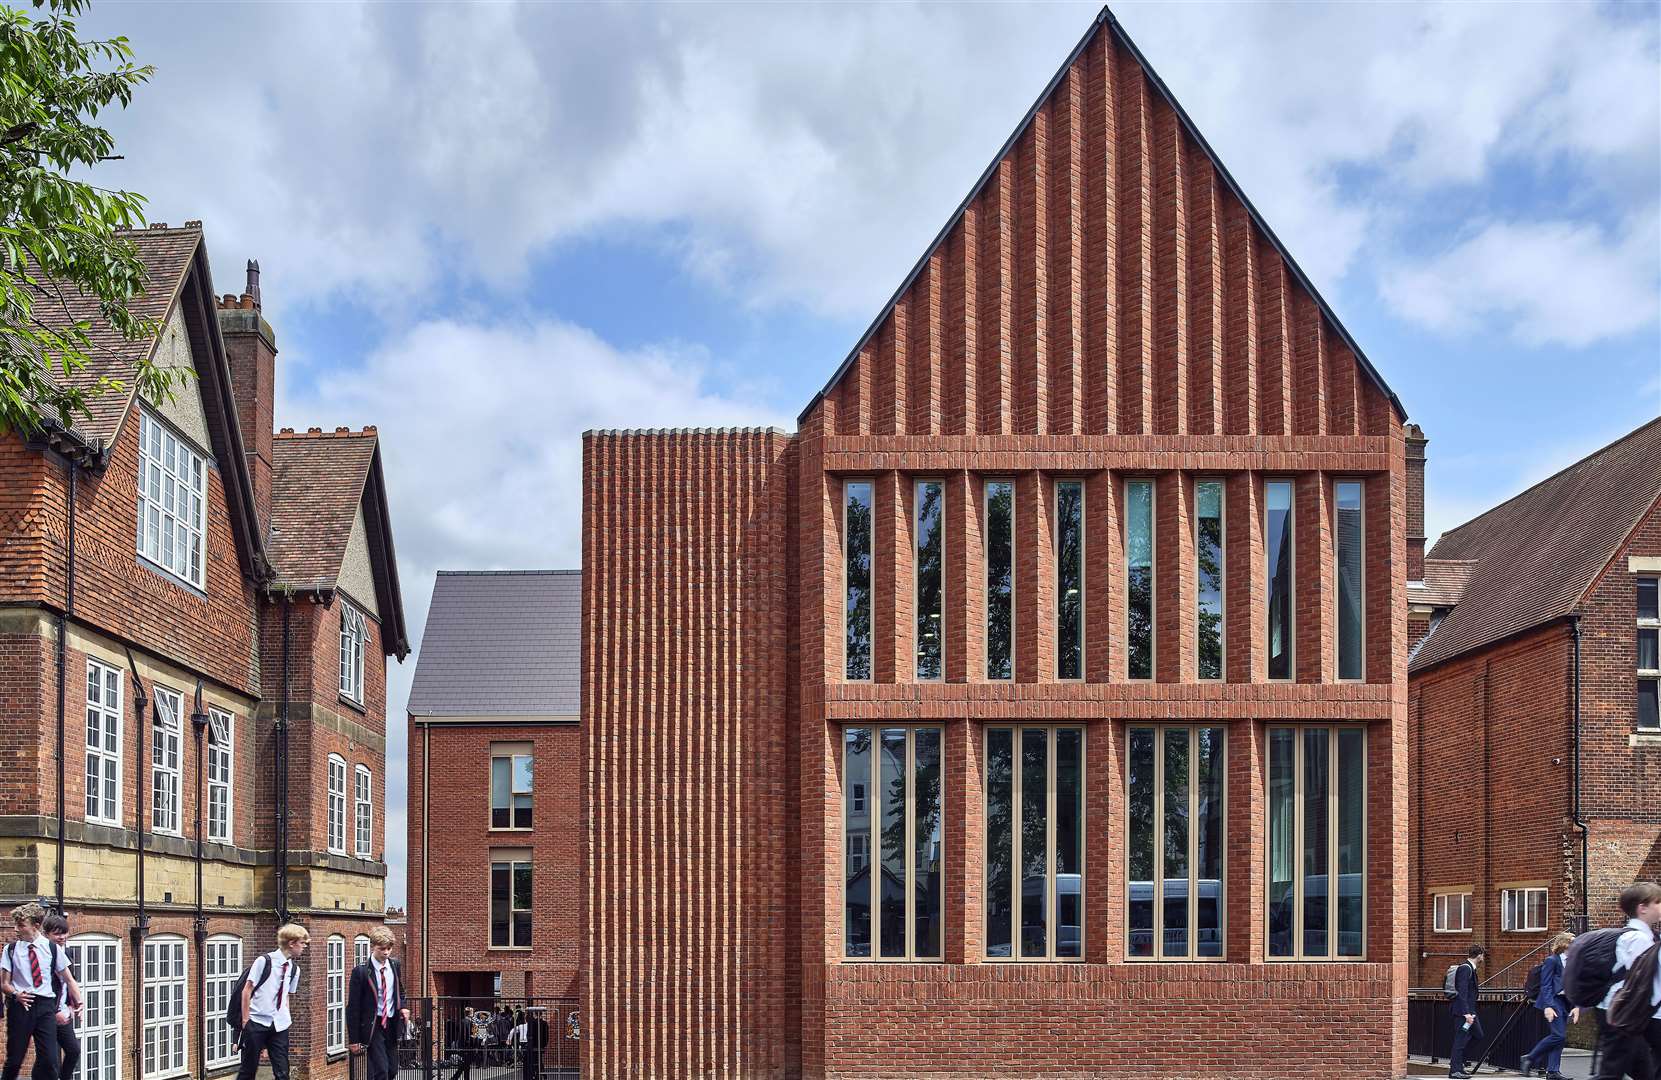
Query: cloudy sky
{"points": [[487, 228]]}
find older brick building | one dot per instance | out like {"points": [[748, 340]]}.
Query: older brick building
{"points": [[1534, 737], [1039, 706], [194, 616]]}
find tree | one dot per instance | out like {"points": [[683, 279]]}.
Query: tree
{"points": [[61, 249]]}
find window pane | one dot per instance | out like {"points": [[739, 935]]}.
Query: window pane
{"points": [[1649, 711], [1209, 840], [499, 770], [1352, 839], [930, 547], [1034, 840], [925, 859], [521, 811], [1139, 798], [891, 789], [1278, 533], [857, 525], [522, 886], [1316, 790], [1000, 583], [1282, 839], [1647, 651], [499, 904], [1348, 540], [1647, 598], [1069, 585], [1000, 839], [1174, 878], [1208, 551], [1139, 578], [522, 774], [1069, 843], [522, 928], [856, 830]]}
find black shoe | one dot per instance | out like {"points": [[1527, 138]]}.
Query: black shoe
{"points": [[1526, 1066], [1461, 1075]]}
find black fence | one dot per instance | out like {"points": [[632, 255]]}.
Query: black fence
{"points": [[1510, 1026], [488, 1039]]}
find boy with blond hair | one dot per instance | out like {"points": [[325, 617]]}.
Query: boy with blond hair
{"points": [[265, 1003], [31, 973], [375, 1010]]}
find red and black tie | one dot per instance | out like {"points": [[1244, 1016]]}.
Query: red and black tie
{"points": [[282, 985], [34, 966]]}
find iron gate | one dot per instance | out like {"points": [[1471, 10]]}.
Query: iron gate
{"points": [[488, 1039]]}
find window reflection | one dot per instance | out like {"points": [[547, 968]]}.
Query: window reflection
{"points": [[1351, 605], [1208, 554], [1278, 534], [1175, 795], [1069, 584], [1139, 578], [1034, 831], [930, 546], [893, 837], [1000, 579], [856, 508]]}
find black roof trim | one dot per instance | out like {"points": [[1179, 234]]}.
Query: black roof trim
{"points": [[1107, 18], [377, 521]]}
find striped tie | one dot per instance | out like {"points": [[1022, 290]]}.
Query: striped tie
{"points": [[282, 984], [34, 966]]}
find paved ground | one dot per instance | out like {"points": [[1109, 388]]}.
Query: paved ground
{"points": [[1576, 1063]]}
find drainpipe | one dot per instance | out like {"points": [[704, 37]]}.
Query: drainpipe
{"points": [[198, 724], [1579, 820], [63, 666], [141, 923], [282, 774]]}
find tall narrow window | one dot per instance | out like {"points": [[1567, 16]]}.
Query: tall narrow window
{"points": [[1000, 579], [1139, 578], [363, 812], [337, 804], [1317, 842], [510, 900], [892, 864], [856, 546], [1351, 599], [103, 712], [220, 770], [96, 960], [165, 1013], [360, 950], [1175, 815], [334, 995], [222, 963], [1208, 557], [510, 786], [930, 554], [164, 760], [1069, 580], [354, 631], [1277, 498], [172, 501], [1035, 843], [1649, 655]]}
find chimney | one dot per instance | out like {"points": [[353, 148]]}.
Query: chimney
{"points": [[251, 347], [1416, 443]]}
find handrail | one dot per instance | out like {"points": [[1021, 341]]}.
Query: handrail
{"points": [[1546, 944]]}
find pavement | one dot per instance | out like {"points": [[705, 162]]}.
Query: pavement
{"points": [[1576, 1064]]}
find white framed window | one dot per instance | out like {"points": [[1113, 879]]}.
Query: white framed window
{"points": [[511, 784], [1523, 909], [166, 1014], [223, 963], [1649, 654], [510, 899], [166, 720], [1451, 913], [334, 1022], [96, 959], [337, 804], [360, 950], [221, 767], [354, 631], [103, 715], [364, 811], [172, 501]]}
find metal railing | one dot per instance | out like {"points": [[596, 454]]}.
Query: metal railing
{"points": [[1511, 1026], [488, 1039]]}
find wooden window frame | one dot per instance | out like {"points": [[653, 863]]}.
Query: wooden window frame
{"points": [[986, 573], [1298, 955], [1017, 899], [873, 846], [1153, 575], [1158, 928], [1083, 576], [1337, 568], [917, 576], [1291, 629], [1222, 576]]}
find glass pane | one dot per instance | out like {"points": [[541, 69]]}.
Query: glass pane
{"points": [[1649, 714], [925, 859], [521, 886], [522, 928], [891, 789], [1000, 839], [1647, 598], [1352, 840], [930, 547], [856, 833], [1069, 584], [521, 811], [1317, 789], [1647, 651], [1034, 841], [1139, 578], [1348, 541], [522, 774], [1139, 810], [1208, 552], [1069, 842], [499, 904], [1209, 841], [1000, 582], [857, 542], [1282, 839], [1174, 905], [1278, 533], [499, 775]]}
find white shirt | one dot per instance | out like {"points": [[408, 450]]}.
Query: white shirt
{"points": [[1632, 944], [16, 960], [263, 1007], [384, 1005]]}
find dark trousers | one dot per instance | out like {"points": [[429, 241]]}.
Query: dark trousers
{"points": [[38, 1023], [256, 1039], [1462, 1037], [1548, 1052], [1628, 1055], [464, 1062], [69, 1054], [381, 1052]]}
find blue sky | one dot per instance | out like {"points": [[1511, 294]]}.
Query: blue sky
{"points": [[488, 228]]}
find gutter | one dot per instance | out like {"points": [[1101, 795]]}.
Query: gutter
{"points": [[198, 723], [63, 669], [141, 921], [281, 754], [1579, 819]]}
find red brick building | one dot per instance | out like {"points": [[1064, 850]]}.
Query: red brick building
{"points": [[1039, 706], [195, 613], [495, 778], [1533, 729]]}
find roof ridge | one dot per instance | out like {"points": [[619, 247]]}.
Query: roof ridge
{"points": [[368, 431], [505, 573], [756, 429]]}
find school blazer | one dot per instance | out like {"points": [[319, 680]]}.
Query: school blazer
{"points": [[361, 998]]}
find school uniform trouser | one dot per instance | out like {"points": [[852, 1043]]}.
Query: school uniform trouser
{"points": [[381, 1051], [37, 1023], [1462, 1037], [1549, 1050], [69, 1054], [1627, 1055], [260, 1038]]}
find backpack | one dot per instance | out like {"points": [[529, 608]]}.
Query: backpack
{"points": [[1589, 967], [233, 1007], [56, 980], [1629, 1013], [1450, 982], [1531, 985]]}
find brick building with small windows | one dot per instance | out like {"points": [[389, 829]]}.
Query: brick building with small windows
{"points": [[1534, 736], [195, 613], [1039, 705]]}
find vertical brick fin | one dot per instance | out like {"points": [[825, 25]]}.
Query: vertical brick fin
{"points": [[1101, 250], [1135, 252], [1309, 379], [1034, 580], [1247, 844], [1103, 590], [1273, 351], [1342, 375], [1245, 609], [1031, 301], [1205, 299], [887, 378], [1170, 275], [992, 266], [1240, 346], [961, 331], [923, 350], [1316, 613], [964, 604], [1066, 270], [1104, 892], [1377, 415]]}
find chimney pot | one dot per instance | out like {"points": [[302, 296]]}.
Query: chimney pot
{"points": [[343, 431], [314, 431], [193, 224], [287, 431], [253, 287], [158, 224]]}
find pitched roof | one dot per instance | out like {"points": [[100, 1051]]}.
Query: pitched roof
{"points": [[1538, 553], [501, 643], [1444, 583], [318, 481]]}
